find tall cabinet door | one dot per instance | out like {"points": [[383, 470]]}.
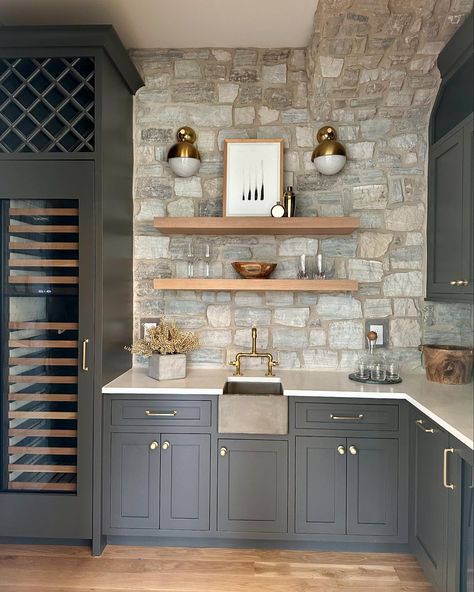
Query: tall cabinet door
{"points": [[430, 501], [46, 348], [372, 485], [320, 485], [185, 481]]}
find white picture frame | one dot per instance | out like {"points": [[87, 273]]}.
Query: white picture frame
{"points": [[253, 176]]}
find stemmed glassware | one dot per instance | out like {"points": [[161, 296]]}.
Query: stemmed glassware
{"points": [[190, 258]]}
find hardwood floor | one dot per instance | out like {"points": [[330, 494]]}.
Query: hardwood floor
{"points": [[41, 568]]}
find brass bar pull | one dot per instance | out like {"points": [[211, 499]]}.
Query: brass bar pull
{"points": [[347, 417], [149, 413], [420, 422], [85, 367], [445, 468]]}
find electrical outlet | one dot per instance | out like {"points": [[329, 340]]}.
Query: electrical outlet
{"points": [[380, 326]]}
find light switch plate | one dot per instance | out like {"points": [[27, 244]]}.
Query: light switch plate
{"points": [[380, 326]]}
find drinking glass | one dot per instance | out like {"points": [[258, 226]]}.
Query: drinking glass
{"points": [[378, 372]]}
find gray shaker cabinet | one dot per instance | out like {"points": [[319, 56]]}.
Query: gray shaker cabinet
{"points": [[372, 486], [320, 485], [252, 486], [185, 482], [159, 481], [134, 481], [450, 236], [347, 486], [430, 499]]}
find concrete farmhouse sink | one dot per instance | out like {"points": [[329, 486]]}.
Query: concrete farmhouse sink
{"points": [[253, 407]]}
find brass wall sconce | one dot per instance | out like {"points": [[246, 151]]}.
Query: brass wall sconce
{"points": [[329, 156], [183, 157]]}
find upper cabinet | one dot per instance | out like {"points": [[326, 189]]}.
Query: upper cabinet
{"points": [[450, 184]]}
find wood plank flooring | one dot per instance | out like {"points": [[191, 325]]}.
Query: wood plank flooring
{"points": [[42, 568]]}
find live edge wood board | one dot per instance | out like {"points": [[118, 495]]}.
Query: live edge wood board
{"points": [[257, 225], [266, 285]]}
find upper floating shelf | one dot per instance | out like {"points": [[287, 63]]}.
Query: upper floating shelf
{"points": [[257, 225]]}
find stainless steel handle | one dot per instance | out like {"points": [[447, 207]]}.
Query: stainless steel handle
{"points": [[347, 417], [420, 422], [445, 468], [154, 445], [149, 413], [341, 450], [85, 367], [223, 451], [165, 445], [353, 450]]}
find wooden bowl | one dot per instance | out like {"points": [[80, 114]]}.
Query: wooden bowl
{"points": [[253, 269]]}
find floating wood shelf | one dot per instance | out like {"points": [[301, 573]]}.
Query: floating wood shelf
{"points": [[266, 285], [257, 225]]}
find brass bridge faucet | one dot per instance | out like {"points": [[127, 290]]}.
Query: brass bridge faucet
{"points": [[254, 354]]}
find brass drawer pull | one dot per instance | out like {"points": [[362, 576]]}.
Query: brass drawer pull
{"points": [[347, 417], [445, 468], [420, 422], [154, 445], [353, 450], [149, 413], [165, 445], [85, 367], [223, 451]]}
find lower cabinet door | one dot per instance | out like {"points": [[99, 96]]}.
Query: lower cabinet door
{"points": [[185, 481], [320, 485], [253, 486], [430, 502], [372, 486], [134, 481]]}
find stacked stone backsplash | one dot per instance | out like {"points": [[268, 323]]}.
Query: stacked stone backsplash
{"points": [[370, 70]]}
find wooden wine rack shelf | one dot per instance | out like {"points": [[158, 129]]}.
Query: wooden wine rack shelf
{"points": [[257, 225], [266, 285]]}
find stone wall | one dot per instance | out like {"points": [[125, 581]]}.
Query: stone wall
{"points": [[370, 70]]}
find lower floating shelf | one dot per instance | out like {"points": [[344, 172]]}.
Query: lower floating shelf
{"points": [[266, 285]]}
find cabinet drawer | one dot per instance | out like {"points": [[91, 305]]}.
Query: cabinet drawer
{"points": [[340, 416], [163, 412]]}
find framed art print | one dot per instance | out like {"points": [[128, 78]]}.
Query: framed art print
{"points": [[253, 176]]}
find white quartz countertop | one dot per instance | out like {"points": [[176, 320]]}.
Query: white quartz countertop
{"points": [[452, 407]]}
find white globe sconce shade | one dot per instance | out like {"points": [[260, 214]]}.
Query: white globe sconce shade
{"points": [[183, 157], [184, 166], [329, 156]]}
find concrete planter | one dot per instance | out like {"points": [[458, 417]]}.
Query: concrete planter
{"points": [[167, 367]]}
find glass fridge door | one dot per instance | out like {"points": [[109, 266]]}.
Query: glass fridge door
{"points": [[40, 322]]}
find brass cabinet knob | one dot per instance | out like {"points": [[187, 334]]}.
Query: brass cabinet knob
{"points": [[165, 445], [341, 450], [460, 283], [154, 445], [453, 283], [223, 451], [353, 450]]}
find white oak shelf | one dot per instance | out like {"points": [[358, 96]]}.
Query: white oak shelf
{"points": [[263, 225], [266, 285]]}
